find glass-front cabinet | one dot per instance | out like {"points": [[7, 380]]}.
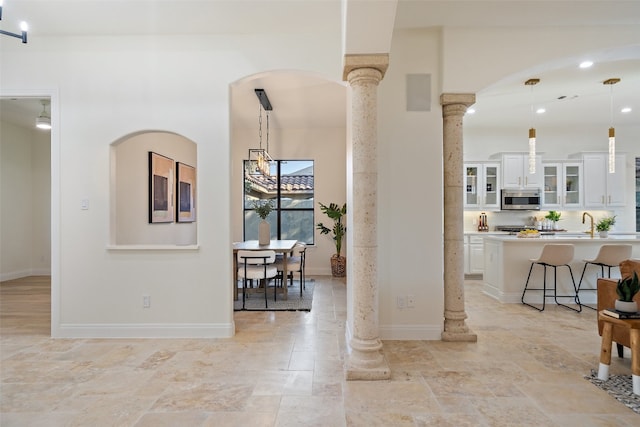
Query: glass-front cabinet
{"points": [[562, 185], [482, 189]]}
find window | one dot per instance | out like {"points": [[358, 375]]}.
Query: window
{"points": [[290, 187]]}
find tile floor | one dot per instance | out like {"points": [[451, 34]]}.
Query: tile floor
{"points": [[285, 369]]}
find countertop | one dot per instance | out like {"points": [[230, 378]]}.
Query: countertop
{"points": [[565, 237]]}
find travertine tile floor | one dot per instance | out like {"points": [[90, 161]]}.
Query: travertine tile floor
{"points": [[285, 369]]}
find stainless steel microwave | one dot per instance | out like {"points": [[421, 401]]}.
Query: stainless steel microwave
{"points": [[520, 200]]}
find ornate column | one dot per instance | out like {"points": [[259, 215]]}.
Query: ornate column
{"points": [[453, 108], [365, 360]]}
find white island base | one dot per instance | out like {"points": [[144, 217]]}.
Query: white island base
{"points": [[507, 260]]}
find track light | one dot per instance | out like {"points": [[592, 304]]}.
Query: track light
{"points": [[23, 28]]}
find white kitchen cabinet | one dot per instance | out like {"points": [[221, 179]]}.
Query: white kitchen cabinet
{"points": [[515, 172], [482, 186], [473, 254], [562, 187], [601, 188]]}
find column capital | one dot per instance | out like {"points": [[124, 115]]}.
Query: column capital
{"points": [[465, 99], [379, 61]]}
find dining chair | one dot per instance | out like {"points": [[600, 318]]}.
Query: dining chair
{"points": [[553, 255], [257, 265], [608, 256], [295, 264]]}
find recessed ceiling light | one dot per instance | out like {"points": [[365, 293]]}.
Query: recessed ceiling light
{"points": [[586, 64], [541, 110], [471, 111], [626, 110]]}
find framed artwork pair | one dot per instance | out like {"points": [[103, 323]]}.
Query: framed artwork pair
{"points": [[166, 178]]}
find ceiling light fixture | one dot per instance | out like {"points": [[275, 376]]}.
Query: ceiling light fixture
{"points": [[612, 131], [625, 110], [43, 121], [532, 130], [259, 158], [23, 28], [586, 64]]}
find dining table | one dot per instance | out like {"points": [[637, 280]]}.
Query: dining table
{"points": [[283, 247]]}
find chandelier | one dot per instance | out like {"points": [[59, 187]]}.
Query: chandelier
{"points": [[259, 158], [23, 28]]}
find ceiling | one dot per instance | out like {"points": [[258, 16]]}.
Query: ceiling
{"points": [[506, 103]]}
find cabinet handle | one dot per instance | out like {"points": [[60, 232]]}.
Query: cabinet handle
{"points": [[519, 180], [603, 199], [609, 199], [526, 181]]}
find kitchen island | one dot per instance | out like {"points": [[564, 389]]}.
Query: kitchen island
{"points": [[507, 260]]}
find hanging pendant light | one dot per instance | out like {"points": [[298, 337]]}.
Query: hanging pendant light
{"points": [[259, 158], [532, 130], [612, 131]]}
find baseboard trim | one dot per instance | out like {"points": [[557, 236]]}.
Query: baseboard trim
{"points": [[411, 332], [155, 330], [24, 273]]}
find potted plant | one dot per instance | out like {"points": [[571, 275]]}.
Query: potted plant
{"points": [[626, 289], [335, 212], [264, 229], [604, 225], [554, 217]]}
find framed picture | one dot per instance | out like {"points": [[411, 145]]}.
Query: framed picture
{"points": [[160, 188], [186, 188]]}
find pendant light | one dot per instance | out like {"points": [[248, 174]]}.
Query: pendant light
{"points": [[259, 158], [532, 130], [612, 131], [43, 121]]}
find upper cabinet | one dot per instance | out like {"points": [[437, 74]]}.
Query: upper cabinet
{"points": [[562, 185], [515, 172], [482, 186], [601, 188]]}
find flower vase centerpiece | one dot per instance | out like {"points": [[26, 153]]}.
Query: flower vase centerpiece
{"points": [[626, 289], [604, 225], [264, 229], [554, 217], [335, 212]]}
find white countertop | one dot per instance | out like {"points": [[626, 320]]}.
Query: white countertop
{"points": [[584, 238]]}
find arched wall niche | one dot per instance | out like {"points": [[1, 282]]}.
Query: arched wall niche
{"points": [[130, 193]]}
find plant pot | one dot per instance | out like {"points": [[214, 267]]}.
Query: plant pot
{"points": [[338, 266], [626, 306], [264, 233], [603, 234]]}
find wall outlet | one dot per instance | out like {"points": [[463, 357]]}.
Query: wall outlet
{"points": [[146, 301], [401, 302], [411, 301]]}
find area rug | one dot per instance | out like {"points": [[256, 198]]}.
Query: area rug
{"points": [[255, 301], [619, 387]]}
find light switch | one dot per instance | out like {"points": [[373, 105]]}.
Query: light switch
{"points": [[84, 204]]}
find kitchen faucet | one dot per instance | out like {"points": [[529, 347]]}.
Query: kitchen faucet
{"points": [[588, 214]]}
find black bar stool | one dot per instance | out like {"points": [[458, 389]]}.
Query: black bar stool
{"points": [[553, 255], [608, 256]]}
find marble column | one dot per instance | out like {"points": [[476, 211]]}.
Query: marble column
{"points": [[454, 107], [365, 360]]}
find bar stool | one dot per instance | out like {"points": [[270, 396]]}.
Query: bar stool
{"points": [[553, 255], [608, 256]]}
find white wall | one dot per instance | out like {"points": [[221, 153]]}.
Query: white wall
{"points": [[115, 86], [24, 202], [410, 218]]}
